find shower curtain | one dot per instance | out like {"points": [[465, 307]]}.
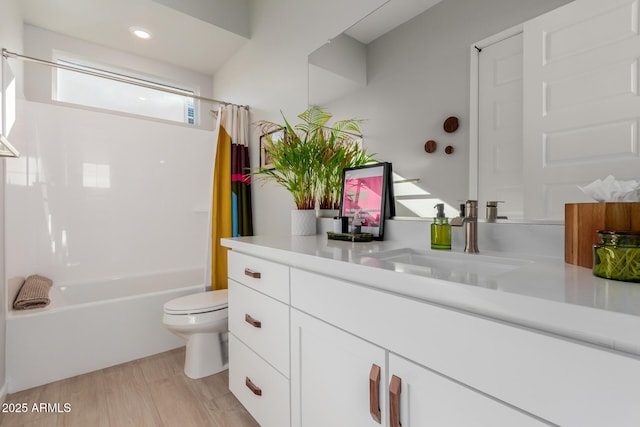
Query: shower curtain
{"points": [[231, 211]]}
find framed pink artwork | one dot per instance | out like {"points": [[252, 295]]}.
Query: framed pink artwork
{"points": [[367, 198]]}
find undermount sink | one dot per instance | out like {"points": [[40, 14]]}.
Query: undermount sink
{"points": [[472, 269]]}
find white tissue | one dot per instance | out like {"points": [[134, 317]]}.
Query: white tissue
{"points": [[610, 190]]}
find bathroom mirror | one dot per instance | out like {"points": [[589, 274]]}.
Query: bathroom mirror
{"points": [[405, 81]]}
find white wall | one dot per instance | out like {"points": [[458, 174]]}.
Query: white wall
{"points": [[269, 73], [344, 56], [10, 39], [336, 69]]}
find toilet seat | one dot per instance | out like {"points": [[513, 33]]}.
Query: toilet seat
{"points": [[203, 302]]}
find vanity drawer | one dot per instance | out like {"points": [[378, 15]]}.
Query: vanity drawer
{"points": [[262, 390], [262, 323], [267, 277]]}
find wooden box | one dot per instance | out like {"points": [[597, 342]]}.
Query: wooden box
{"points": [[582, 220]]}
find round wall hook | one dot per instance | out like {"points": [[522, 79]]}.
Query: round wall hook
{"points": [[451, 124], [430, 146]]}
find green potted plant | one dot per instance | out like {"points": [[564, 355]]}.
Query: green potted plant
{"points": [[339, 153], [307, 160]]}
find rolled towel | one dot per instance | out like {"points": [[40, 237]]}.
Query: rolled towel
{"points": [[34, 293]]}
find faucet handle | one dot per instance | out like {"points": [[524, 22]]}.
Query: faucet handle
{"points": [[471, 209], [492, 210]]}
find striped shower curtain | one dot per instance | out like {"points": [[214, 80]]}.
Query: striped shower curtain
{"points": [[231, 210]]}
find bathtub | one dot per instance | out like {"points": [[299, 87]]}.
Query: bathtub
{"points": [[93, 325]]}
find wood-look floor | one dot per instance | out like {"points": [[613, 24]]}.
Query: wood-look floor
{"points": [[148, 392]]}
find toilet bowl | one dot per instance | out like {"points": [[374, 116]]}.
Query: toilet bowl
{"points": [[201, 319]]}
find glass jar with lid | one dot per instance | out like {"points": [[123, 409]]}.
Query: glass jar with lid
{"points": [[617, 256]]}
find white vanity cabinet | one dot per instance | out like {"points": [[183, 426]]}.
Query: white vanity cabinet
{"points": [[259, 337], [309, 349], [454, 368], [426, 398], [339, 379], [330, 376]]}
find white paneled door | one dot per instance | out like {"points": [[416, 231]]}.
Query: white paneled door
{"points": [[581, 105], [500, 125]]}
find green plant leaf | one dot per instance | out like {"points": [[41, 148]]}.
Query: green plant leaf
{"points": [[309, 159]]}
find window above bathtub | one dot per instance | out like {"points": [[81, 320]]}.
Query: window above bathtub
{"points": [[124, 94]]}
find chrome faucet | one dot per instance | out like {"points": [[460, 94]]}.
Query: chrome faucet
{"points": [[470, 222]]}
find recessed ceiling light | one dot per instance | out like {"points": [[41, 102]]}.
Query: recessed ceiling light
{"points": [[140, 32]]}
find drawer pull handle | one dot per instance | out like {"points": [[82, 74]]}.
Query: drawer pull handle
{"points": [[249, 272], [394, 400], [254, 388], [253, 322], [374, 393]]}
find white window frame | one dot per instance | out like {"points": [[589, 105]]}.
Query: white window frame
{"points": [[132, 76]]}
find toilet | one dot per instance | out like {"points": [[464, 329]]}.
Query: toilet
{"points": [[201, 319]]}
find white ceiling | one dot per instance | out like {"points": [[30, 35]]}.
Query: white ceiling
{"points": [[178, 38]]}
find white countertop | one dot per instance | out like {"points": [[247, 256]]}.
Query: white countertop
{"points": [[544, 293]]}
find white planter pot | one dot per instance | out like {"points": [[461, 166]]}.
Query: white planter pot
{"points": [[327, 213], [303, 222]]}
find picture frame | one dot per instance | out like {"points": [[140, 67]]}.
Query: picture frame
{"points": [[367, 196], [276, 136]]}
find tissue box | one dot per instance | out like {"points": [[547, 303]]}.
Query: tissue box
{"points": [[582, 220]]}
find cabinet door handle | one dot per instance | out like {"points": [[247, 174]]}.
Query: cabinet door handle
{"points": [[374, 393], [249, 272], [254, 388], [394, 400], [253, 322]]}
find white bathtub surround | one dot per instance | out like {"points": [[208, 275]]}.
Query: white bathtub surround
{"points": [[97, 202], [97, 195], [93, 325]]}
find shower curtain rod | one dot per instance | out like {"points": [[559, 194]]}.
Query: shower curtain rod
{"points": [[7, 54]]}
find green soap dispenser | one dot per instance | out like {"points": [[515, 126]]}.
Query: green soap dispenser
{"points": [[440, 230]]}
